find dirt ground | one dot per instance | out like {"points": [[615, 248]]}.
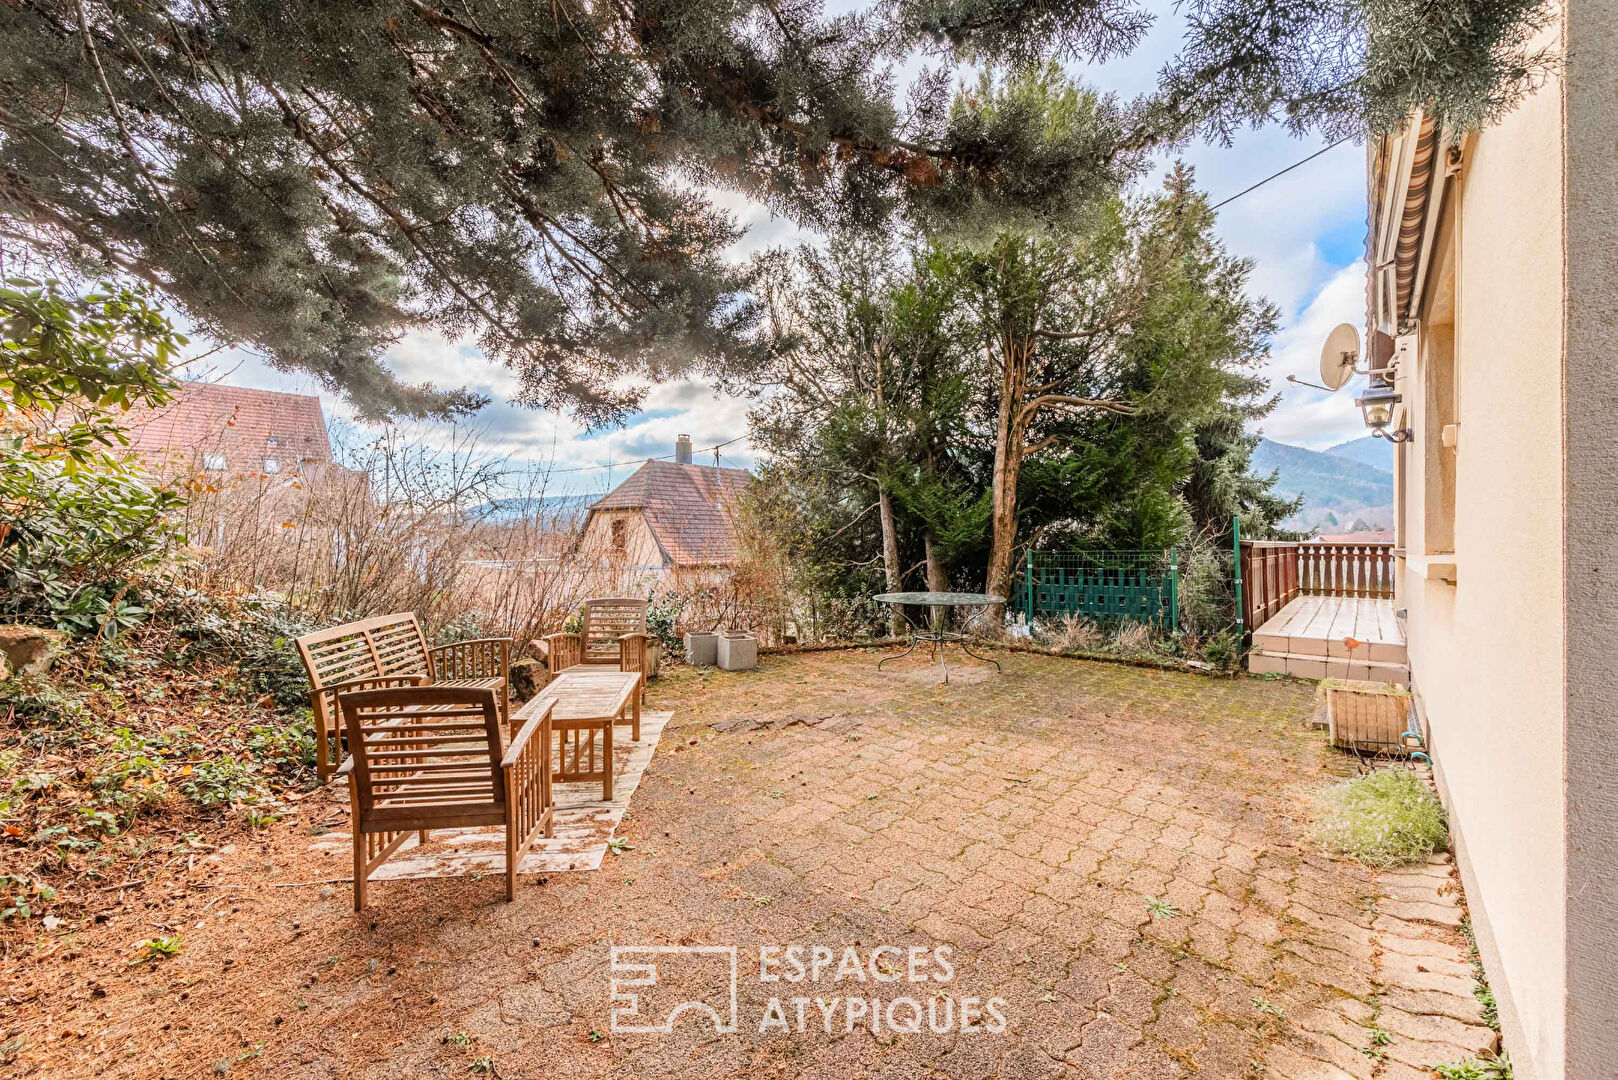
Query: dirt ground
{"points": [[1116, 855]]}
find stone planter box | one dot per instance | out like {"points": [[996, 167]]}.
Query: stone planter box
{"points": [[738, 651], [702, 649]]}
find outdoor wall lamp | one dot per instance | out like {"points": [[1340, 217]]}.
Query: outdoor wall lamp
{"points": [[1377, 404]]}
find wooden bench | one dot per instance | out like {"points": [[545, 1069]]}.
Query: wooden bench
{"points": [[436, 757], [390, 651]]}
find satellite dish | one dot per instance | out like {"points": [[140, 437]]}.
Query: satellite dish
{"points": [[1338, 357]]}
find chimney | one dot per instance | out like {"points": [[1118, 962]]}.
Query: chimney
{"points": [[682, 450]]}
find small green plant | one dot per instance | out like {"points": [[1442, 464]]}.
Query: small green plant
{"points": [[156, 949], [1384, 818], [1162, 909], [618, 845], [596, 1036], [1488, 1067], [19, 896], [460, 1038], [662, 613], [1480, 980], [1265, 1006], [220, 783], [288, 748], [483, 1066], [1222, 650]]}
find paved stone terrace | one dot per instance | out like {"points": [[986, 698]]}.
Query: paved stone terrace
{"points": [[1116, 852]]}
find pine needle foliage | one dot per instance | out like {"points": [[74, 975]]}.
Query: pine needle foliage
{"points": [[537, 176]]}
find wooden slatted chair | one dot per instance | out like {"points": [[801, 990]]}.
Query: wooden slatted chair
{"points": [[613, 634], [435, 757], [355, 655]]}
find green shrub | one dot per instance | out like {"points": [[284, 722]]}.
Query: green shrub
{"points": [[1222, 650], [257, 635], [662, 614], [76, 524], [1384, 818]]}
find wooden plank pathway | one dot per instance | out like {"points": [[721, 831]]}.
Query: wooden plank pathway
{"points": [[584, 824]]}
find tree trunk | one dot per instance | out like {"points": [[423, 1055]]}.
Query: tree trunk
{"points": [[1008, 453], [937, 580], [890, 557]]}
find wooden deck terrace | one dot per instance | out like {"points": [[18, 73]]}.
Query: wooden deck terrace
{"points": [[1337, 637]]}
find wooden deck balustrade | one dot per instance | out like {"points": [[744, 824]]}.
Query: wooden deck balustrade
{"points": [[1275, 572]]}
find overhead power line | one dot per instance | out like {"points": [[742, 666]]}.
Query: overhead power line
{"points": [[1283, 172], [637, 461]]}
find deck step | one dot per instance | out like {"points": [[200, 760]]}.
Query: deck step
{"points": [[1315, 666]]}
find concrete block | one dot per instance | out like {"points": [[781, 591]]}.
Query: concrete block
{"points": [[738, 651], [702, 649]]}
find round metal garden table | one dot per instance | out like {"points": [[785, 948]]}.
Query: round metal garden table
{"points": [[935, 633]]}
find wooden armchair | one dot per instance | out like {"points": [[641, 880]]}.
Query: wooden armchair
{"points": [[613, 633], [390, 650], [434, 757]]}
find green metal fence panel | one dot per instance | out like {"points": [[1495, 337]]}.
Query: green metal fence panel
{"points": [[1107, 586]]}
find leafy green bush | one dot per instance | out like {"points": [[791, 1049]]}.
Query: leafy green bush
{"points": [[77, 526], [662, 613], [1384, 818], [256, 633]]}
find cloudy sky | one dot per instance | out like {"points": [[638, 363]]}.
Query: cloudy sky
{"points": [[1305, 232]]}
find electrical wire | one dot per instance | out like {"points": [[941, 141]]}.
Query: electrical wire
{"points": [[1283, 172], [637, 461]]}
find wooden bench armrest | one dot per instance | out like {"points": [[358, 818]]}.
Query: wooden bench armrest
{"points": [[471, 659], [632, 651], [565, 651], [519, 742]]}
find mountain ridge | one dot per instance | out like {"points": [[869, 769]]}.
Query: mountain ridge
{"points": [[1339, 490]]}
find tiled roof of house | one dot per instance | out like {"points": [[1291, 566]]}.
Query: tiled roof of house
{"points": [[246, 426], [688, 507]]}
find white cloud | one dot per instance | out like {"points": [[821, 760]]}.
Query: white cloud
{"points": [[1307, 417]]}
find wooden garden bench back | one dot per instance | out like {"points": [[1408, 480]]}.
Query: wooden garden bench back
{"points": [[388, 651], [435, 757]]}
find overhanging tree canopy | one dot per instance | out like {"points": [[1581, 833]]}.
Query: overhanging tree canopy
{"points": [[316, 179]]}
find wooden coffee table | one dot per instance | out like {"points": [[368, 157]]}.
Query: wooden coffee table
{"points": [[588, 704]]}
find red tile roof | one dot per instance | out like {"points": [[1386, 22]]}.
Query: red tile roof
{"points": [[688, 507], [208, 418]]}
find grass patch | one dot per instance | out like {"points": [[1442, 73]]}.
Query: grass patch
{"points": [[1487, 1067], [1480, 989], [1383, 818]]}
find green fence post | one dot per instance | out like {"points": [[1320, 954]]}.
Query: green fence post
{"points": [[1028, 590], [1174, 589], [1236, 546]]}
